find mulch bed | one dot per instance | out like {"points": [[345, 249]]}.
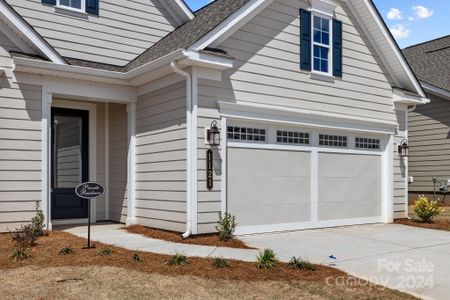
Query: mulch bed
{"points": [[438, 225], [47, 254], [205, 240]]}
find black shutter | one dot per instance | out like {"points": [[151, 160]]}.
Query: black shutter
{"points": [[51, 2], [305, 40], [92, 6], [337, 48]]}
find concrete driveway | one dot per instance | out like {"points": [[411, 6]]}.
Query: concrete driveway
{"points": [[413, 260]]}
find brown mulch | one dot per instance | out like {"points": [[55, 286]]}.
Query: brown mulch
{"points": [[205, 240], [438, 224], [47, 254]]}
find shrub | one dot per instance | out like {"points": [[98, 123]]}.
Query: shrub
{"points": [[20, 254], [226, 226], [137, 257], [425, 209], [37, 222], [106, 251], [267, 259], [220, 263], [178, 260], [24, 237], [301, 264], [66, 251]]}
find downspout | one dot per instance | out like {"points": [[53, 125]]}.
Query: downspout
{"points": [[189, 142], [413, 108]]}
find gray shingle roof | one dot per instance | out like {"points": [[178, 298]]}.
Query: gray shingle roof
{"points": [[430, 61]]}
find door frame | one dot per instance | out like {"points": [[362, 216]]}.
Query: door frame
{"points": [[92, 110]]}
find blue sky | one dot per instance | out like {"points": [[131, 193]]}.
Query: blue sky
{"points": [[410, 21]]}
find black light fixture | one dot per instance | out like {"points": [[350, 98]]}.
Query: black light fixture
{"points": [[403, 148], [213, 134]]}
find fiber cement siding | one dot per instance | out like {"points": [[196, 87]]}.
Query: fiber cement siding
{"points": [[20, 144], [429, 139], [161, 158], [119, 34], [400, 168]]}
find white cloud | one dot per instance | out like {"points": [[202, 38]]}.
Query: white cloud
{"points": [[421, 12], [394, 14], [410, 18], [399, 31]]}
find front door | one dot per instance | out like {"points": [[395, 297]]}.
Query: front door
{"points": [[70, 162]]}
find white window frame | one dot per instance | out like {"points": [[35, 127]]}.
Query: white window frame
{"points": [[82, 9], [314, 43]]}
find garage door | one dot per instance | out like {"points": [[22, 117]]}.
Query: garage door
{"points": [[323, 180]]}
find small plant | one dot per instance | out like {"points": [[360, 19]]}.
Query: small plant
{"points": [[178, 260], [137, 257], [24, 236], [226, 226], [20, 254], [267, 259], [106, 251], [426, 210], [37, 222], [301, 264], [66, 251], [220, 263]]}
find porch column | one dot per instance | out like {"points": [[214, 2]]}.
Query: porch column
{"points": [[46, 104], [131, 167]]}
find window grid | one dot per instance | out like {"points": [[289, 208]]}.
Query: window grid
{"points": [[333, 140], [76, 4], [293, 137], [246, 134], [367, 143], [321, 44]]}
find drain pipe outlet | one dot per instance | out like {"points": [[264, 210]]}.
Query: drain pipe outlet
{"points": [[189, 142], [413, 108]]}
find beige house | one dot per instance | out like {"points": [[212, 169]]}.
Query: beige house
{"points": [[310, 98], [429, 125]]}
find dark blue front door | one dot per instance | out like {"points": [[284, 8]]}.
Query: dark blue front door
{"points": [[70, 162]]}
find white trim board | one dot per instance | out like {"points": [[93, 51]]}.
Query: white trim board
{"points": [[435, 90]]}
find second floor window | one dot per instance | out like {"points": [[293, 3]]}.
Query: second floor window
{"points": [[72, 4], [321, 44]]}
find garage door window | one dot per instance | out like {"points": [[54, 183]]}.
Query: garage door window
{"points": [[246, 134], [333, 140], [292, 137], [367, 143]]}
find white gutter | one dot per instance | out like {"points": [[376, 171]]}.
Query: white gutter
{"points": [[189, 147], [400, 96], [435, 90]]}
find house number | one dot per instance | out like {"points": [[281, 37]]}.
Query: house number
{"points": [[209, 169]]}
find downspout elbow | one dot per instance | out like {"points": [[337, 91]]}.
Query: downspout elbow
{"points": [[188, 78]]}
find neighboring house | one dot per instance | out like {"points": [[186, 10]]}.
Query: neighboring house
{"points": [[310, 97], [429, 125]]}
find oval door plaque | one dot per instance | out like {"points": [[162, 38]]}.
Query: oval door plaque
{"points": [[89, 190]]}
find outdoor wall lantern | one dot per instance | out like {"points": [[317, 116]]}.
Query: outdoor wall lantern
{"points": [[213, 134], [403, 148]]}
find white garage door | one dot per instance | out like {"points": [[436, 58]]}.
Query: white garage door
{"points": [[316, 184]]}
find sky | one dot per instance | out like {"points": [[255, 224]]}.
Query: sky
{"points": [[410, 21]]}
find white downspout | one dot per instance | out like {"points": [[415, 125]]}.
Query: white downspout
{"points": [[189, 142]]}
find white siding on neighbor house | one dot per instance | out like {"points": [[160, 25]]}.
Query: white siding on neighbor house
{"points": [[267, 71], [161, 158], [20, 145], [122, 31], [429, 141], [118, 149]]}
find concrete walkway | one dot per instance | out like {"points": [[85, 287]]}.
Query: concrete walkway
{"points": [[112, 234], [413, 260]]}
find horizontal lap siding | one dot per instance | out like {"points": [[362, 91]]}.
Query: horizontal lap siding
{"points": [[267, 71], [20, 145], [118, 149], [429, 139], [118, 35], [161, 158]]}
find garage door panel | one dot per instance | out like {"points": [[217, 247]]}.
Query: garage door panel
{"points": [[349, 186], [268, 187]]}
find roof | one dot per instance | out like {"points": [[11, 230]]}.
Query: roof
{"points": [[431, 61]]}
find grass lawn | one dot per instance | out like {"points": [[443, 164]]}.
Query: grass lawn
{"points": [[441, 222], [85, 274]]}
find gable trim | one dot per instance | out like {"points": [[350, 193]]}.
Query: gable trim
{"points": [[9, 15], [435, 90], [178, 10], [231, 24]]}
